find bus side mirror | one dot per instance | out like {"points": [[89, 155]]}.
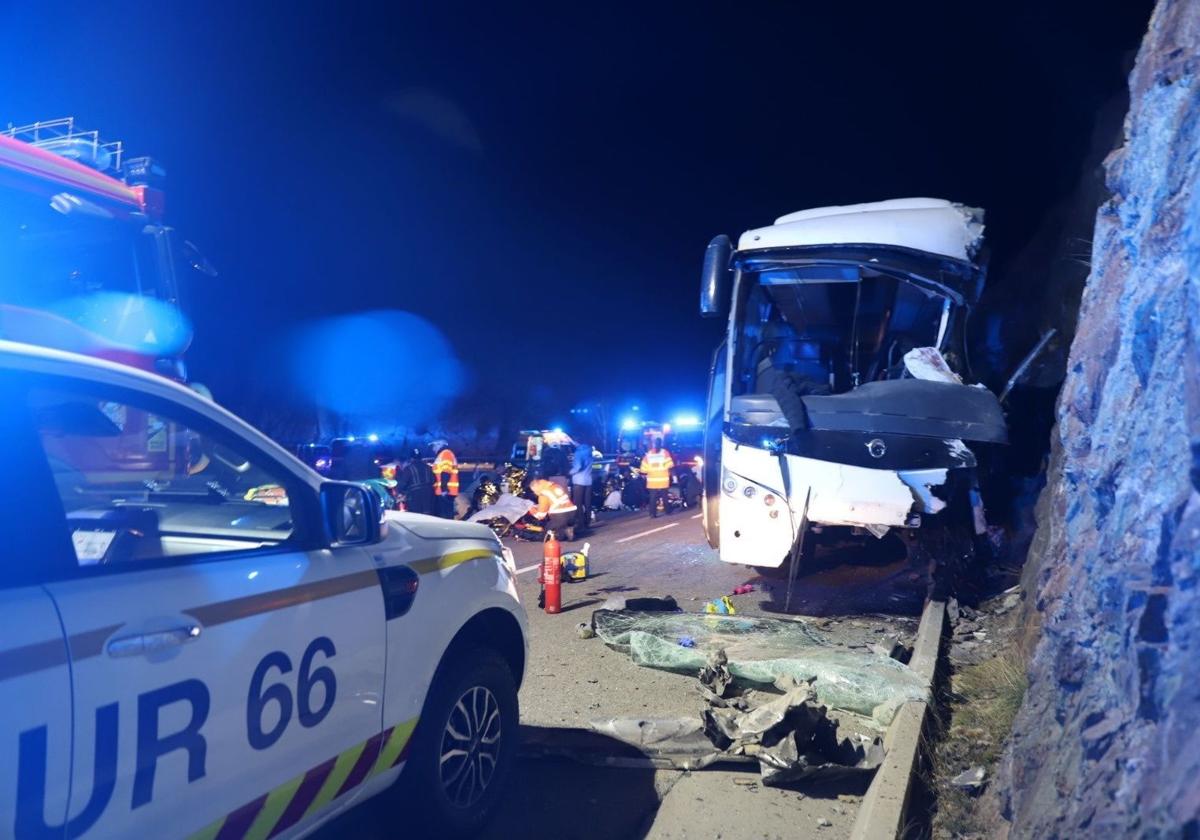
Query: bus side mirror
{"points": [[714, 277]]}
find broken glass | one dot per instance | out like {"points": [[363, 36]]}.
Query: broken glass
{"points": [[761, 651]]}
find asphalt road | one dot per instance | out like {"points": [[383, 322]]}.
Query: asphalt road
{"points": [[570, 681]]}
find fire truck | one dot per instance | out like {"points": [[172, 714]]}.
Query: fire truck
{"points": [[86, 261], [88, 265]]}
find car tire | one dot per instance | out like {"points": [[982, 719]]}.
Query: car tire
{"points": [[473, 699]]}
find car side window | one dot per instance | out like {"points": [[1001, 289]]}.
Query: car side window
{"points": [[139, 485]]}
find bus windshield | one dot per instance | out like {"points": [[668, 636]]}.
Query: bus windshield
{"points": [[835, 332]]}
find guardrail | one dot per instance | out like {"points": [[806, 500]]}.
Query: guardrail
{"points": [[884, 809]]}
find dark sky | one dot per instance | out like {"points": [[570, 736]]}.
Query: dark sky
{"points": [[540, 181]]}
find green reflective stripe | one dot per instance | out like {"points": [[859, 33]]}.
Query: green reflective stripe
{"points": [[394, 746], [209, 832], [454, 558], [272, 809], [341, 769]]}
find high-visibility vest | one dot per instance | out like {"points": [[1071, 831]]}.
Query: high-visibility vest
{"points": [[445, 464], [551, 499], [657, 468]]}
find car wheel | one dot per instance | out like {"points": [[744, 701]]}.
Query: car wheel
{"points": [[465, 744]]}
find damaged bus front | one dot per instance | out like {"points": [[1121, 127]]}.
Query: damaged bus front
{"points": [[837, 404]]}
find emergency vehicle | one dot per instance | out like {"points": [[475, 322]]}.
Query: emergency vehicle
{"points": [[86, 261], [219, 642]]}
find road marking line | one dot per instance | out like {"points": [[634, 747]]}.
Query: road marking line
{"points": [[645, 533], [528, 568], [697, 516]]}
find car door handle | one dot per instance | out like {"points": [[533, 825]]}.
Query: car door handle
{"points": [[147, 643]]}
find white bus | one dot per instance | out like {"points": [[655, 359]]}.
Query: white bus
{"points": [[839, 401]]}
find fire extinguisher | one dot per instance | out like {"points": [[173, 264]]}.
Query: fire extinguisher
{"points": [[552, 574]]}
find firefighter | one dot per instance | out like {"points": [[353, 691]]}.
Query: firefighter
{"points": [[415, 481], [445, 482], [554, 508], [656, 466]]}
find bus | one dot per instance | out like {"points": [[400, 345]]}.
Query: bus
{"points": [[840, 399]]}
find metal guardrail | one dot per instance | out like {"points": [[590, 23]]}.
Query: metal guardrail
{"points": [[62, 137]]}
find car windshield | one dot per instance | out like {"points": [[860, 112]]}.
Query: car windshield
{"points": [[835, 328]]}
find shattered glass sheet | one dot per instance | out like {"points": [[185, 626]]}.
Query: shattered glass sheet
{"points": [[761, 651]]}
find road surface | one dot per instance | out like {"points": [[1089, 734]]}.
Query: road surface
{"points": [[569, 681]]}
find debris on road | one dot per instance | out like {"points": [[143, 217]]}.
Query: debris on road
{"points": [[789, 735], [585, 631], [616, 603], [714, 676], [720, 606], [744, 589], [760, 651]]}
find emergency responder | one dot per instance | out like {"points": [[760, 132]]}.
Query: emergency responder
{"points": [[656, 466], [581, 486], [415, 481], [554, 509], [445, 482]]}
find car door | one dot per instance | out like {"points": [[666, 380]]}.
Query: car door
{"points": [[233, 681], [35, 682]]}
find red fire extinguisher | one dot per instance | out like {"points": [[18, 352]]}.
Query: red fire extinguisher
{"points": [[552, 573]]}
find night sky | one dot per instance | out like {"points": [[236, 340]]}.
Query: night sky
{"points": [[540, 182]]}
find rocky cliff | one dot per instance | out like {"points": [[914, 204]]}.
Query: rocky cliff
{"points": [[1108, 740]]}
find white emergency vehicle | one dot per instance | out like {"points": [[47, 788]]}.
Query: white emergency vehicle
{"points": [[202, 638]]}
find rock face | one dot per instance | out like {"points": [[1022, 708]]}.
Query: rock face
{"points": [[1108, 740]]}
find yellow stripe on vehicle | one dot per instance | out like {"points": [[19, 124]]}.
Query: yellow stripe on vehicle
{"points": [[446, 561], [394, 746], [341, 769], [209, 832], [272, 809]]}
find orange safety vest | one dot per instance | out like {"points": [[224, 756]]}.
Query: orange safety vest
{"points": [[551, 499], [445, 464], [657, 468]]}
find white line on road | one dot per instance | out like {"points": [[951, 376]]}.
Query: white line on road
{"points": [[645, 533], [528, 568], [697, 516]]}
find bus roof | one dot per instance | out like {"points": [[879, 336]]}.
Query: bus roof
{"points": [[933, 225], [56, 170]]}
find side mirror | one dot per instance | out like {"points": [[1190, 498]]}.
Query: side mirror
{"points": [[714, 277], [197, 260], [353, 513]]}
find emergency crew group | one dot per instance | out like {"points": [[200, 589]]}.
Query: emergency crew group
{"points": [[435, 489]]}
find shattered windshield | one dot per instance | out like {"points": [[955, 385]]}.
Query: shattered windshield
{"points": [[835, 328]]}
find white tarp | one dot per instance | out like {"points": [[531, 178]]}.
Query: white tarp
{"points": [[507, 507]]}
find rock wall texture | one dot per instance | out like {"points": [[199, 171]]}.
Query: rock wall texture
{"points": [[1108, 740]]}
